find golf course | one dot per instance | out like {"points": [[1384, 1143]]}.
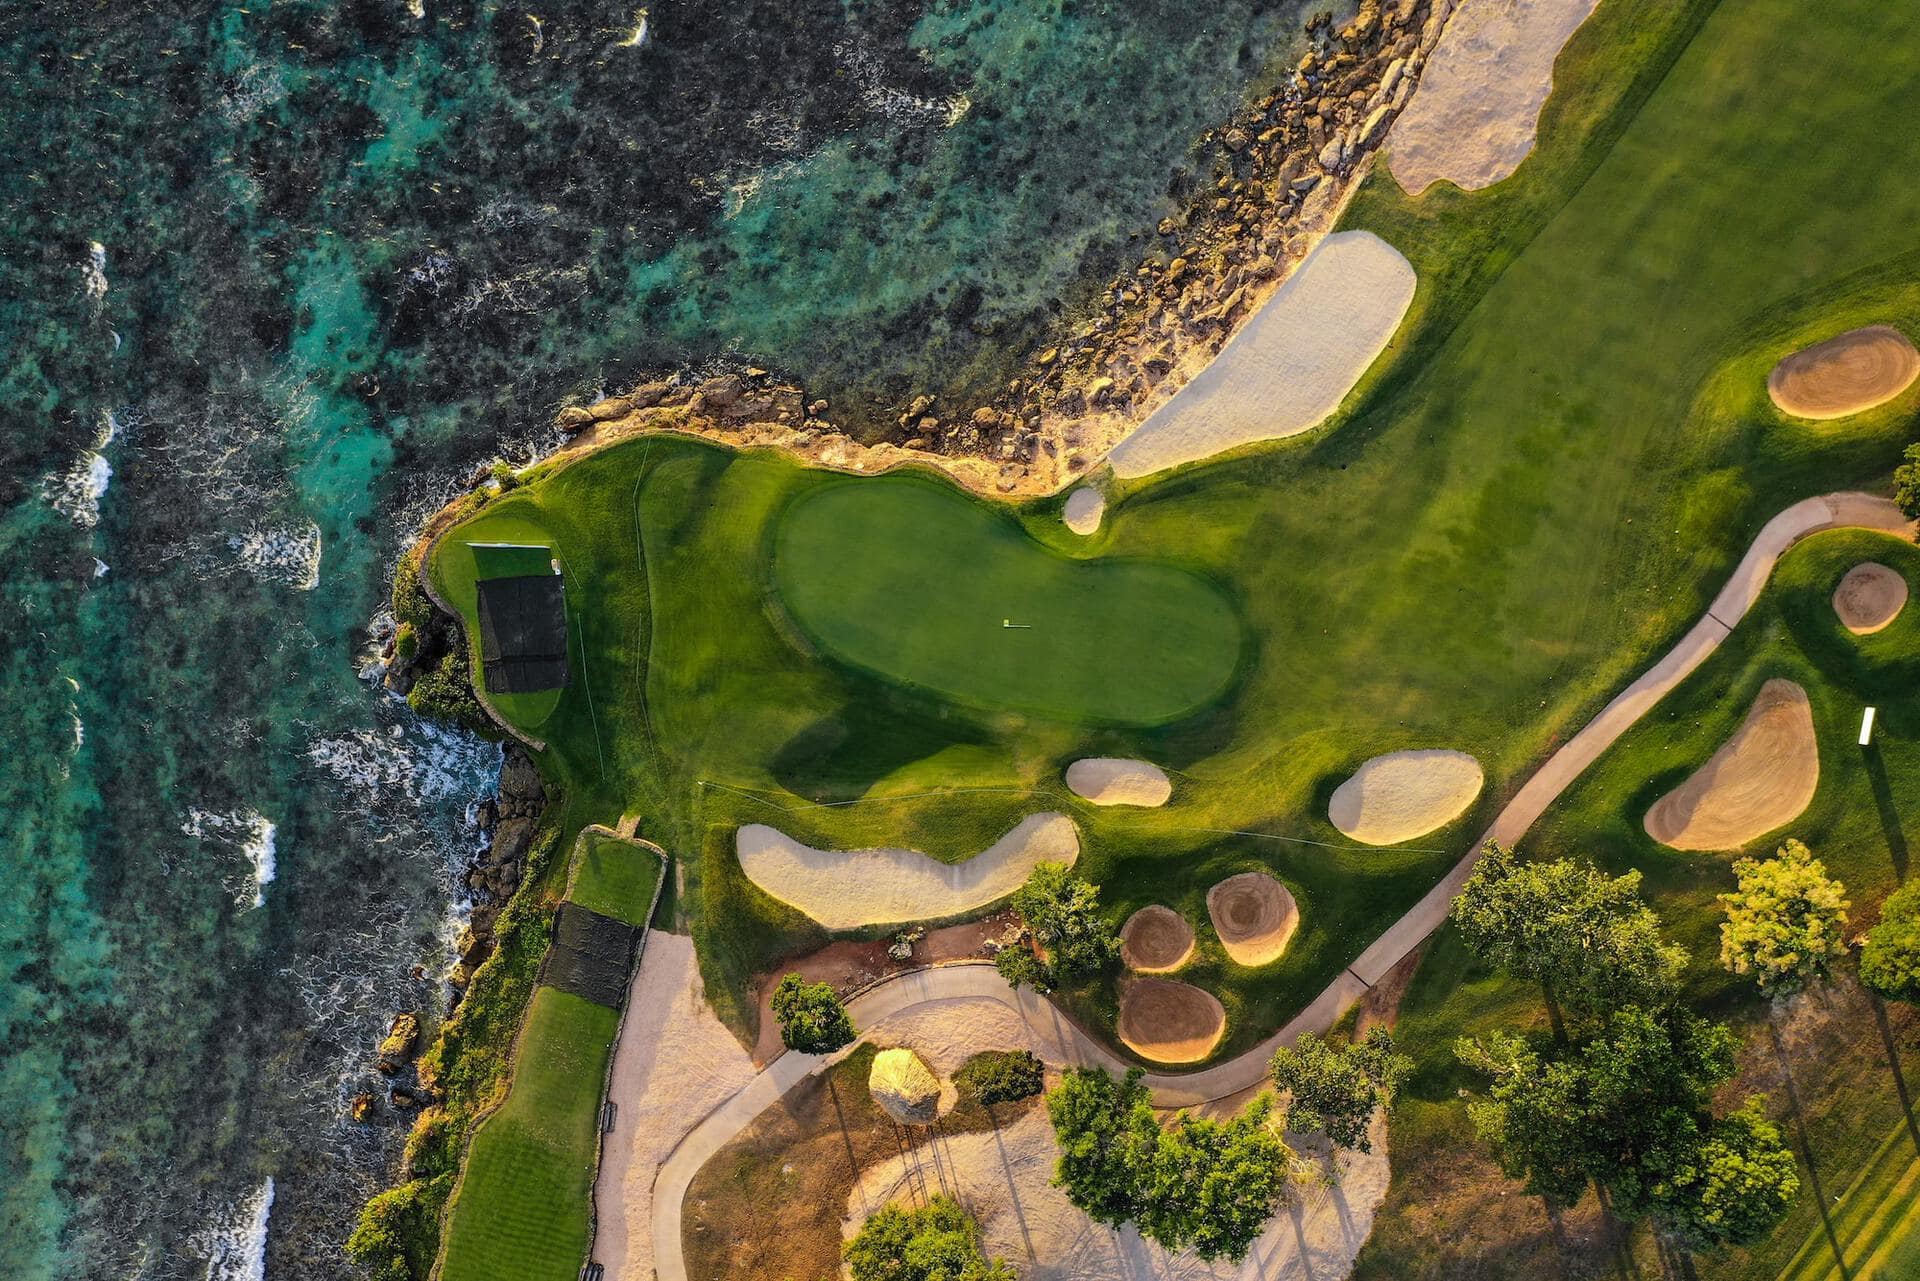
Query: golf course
{"points": [[1531, 495]]}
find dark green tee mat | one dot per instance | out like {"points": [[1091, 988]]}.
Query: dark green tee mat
{"points": [[591, 956]]}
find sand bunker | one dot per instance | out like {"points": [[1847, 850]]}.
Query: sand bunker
{"points": [[1473, 115], [1169, 1022], [1254, 916], [1402, 795], [1845, 375], [1005, 1178], [1155, 940], [1762, 777], [1085, 506], [1113, 780], [1290, 365], [850, 889], [1870, 597]]}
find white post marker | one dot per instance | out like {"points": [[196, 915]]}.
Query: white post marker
{"points": [[1009, 623], [1866, 727]]}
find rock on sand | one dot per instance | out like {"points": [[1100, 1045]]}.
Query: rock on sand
{"points": [[855, 888], [1113, 780], [1290, 365], [1085, 506], [1473, 114], [1869, 598], [1254, 915], [904, 1087], [1762, 777], [1845, 375], [1402, 795]]}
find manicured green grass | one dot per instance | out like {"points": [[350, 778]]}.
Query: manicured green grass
{"points": [[614, 878], [1875, 1216], [905, 578], [510, 560], [459, 565]]}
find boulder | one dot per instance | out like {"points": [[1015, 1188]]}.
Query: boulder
{"points": [[904, 1087], [362, 1109]]}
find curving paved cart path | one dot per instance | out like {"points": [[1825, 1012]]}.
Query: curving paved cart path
{"points": [[1058, 1039]]}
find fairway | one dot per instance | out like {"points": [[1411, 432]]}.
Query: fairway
{"points": [[907, 578]]}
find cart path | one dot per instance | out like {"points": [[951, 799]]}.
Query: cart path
{"points": [[1059, 1040]]}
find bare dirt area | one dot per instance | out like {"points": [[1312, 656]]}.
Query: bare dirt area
{"points": [[1111, 780], [1254, 915], [1473, 118], [1156, 940], [1845, 375], [674, 1063], [1402, 795], [1169, 1022], [1869, 598], [846, 890], [1291, 365], [1762, 777]]}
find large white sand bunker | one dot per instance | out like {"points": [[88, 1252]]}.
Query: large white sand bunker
{"points": [[1760, 778], [1114, 780], [1004, 1177], [1475, 111], [1845, 375], [1290, 365], [1085, 506], [1156, 940], [1869, 598], [1254, 915], [1402, 795], [1168, 1022], [845, 890]]}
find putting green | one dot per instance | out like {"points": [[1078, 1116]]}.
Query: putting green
{"points": [[906, 578]]}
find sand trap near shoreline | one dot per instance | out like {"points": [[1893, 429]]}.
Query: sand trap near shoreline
{"points": [[845, 890], [1846, 374], [674, 1064], [1085, 506], [1113, 780], [1869, 598], [1005, 1178], [1762, 777], [1254, 915], [1156, 940], [1401, 795], [1290, 365], [1168, 1022], [1473, 115]]}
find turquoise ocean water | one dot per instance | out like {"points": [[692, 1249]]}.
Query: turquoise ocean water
{"points": [[274, 277]]}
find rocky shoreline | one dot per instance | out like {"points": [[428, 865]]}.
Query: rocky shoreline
{"points": [[1283, 170]]}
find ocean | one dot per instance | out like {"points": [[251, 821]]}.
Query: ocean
{"points": [[274, 278]]}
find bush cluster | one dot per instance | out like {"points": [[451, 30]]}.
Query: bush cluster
{"points": [[938, 1241], [1000, 1076]]}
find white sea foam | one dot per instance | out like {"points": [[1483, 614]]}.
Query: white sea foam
{"points": [[99, 568], [250, 836], [430, 764], [891, 101], [637, 36], [76, 492], [235, 1243], [94, 274], [283, 555]]}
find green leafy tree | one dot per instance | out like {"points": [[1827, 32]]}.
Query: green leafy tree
{"points": [[1786, 920], [1890, 962], [1906, 482], [1063, 912], [1108, 1138], [938, 1241], [1338, 1089], [1587, 938], [1021, 968], [811, 1017], [1733, 1188]]}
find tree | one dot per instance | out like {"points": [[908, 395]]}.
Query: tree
{"points": [[1786, 920], [1890, 962], [1734, 1187], [1906, 482], [1338, 1090], [1021, 968], [812, 1019], [1062, 911], [1584, 936], [1205, 1185], [938, 1241]]}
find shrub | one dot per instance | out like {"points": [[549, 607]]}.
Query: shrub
{"points": [[406, 642], [812, 1019], [445, 692], [938, 1241], [411, 608], [503, 474], [1061, 910], [399, 1230], [1000, 1076], [1890, 963], [1906, 482]]}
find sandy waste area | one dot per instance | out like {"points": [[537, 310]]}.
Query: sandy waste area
{"points": [[1113, 780], [845, 890], [1290, 365], [1402, 795], [1762, 777], [1475, 111]]}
